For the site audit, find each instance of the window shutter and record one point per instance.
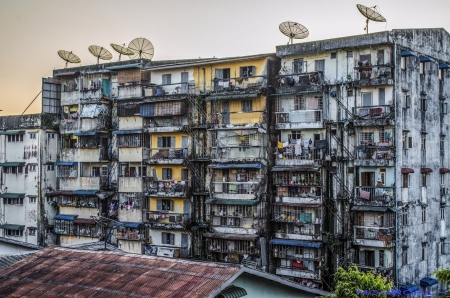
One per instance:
(172, 239)
(362, 260)
(409, 142)
(171, 205)
(425, 104)
(169, 173)
(381, 96)
(252, 71)
(184, 174)
(219, 74)
(158, 204)
(159, 141)
(164, 174)
(172, 142)
(163, 238)
(154, 173)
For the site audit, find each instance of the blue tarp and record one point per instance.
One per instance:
(126, 132)
(66, 163)
(128, 224)
(147, 110)
(426, 59)
(428, 282)
(68, 217)
(444, 65)
(86, 133)
(238, 166)
(408, 53)
(410, 287)
(85, 192)
(296, 243)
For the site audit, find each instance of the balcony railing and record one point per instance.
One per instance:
(234, 187)
(299, 267)
(168, 188)
(167, 154)
(280, 253)
(299, 116)
(374, 194)
(374, 233)
(289, 153)
(374, 153)
(130, 236)
(373, 112)
(311, 82)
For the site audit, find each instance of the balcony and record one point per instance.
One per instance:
(131, 184)
(300, 119)
(167, 221)
(300, 272)
(300, 83)
(373, 75)
(165, 124)
(373, 236)
(67, 126)
(305, 157)
(134, 236)
(168, 188)
(167, 156)
(235, 190)
(375, 196)
(374, 115)
(374, 156)
(83, 154)
(286, 197)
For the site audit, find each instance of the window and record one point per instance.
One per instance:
(407, 103)
(13, 201)
(381, 96)
(424, 214)
(247, 106)
(442, 213)
(166, 79)
(184, 174)
(405, 180)
(349, 54)
(423, 104)
(167, 142)
(50, 167)
(403, 62)
(14, 233)
(366, 99)
(19, 170)
(333, 55)
(319, 65)
(295, 135)
(31, 232)
(441, 74)
(298, 65)
(244, 140)
(407, 141)
(380, 57)
(441, 144)
(422, 68)
(383, 176)
(15, 138)
(168, 238)
(50, 136)
(423, 179)
(442, 179)
(423, 141)
(166, 174)
(424, 251)
(32, 136)
(247, 71)
(405, 256)
(166, 205)
(443, 107)
(32, 200)
(444, 248)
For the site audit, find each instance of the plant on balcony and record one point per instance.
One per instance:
(443, 275)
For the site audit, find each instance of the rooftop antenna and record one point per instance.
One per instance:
(68, 57)
(122, 50)
(142, 48)
(100, 53)
(293, 30)
(371, 14)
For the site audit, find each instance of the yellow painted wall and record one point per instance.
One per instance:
(176, 171)
(178, 205)
(73, 108)
(259, 64)
(178, 138)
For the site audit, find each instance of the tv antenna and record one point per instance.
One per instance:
(100, 53)
(293, 30)
(122, 50)
(370, 13)
(142, 48)
(68, 57)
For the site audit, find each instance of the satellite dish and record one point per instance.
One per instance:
(142, 48)
(371, 14)
(100, 53)
(68, 57)
(122, 50)
(293, 30)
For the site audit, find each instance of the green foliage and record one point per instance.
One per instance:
(349, 281)
(443, 275)
(48, 121)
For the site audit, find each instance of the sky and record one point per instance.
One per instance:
(32, 31)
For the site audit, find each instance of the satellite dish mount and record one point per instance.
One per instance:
(68, 57)
(122, 50)
(371, 13)
(142, 48)
(100, 53)
(293, 30)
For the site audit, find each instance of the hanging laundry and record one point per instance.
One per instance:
(285, 144)
(297, 148)
(280, 145)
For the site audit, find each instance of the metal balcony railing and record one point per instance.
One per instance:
(379, 194)
(299, 116)
(374, 233)
(373, 112)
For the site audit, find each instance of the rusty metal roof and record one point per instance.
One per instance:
(57, 271)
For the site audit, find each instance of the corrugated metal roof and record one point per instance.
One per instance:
(296, 243)
(232, 202)
(12, 132)
(12, 164)
(134, 65)
(68, 217)
(12, 227)
(19, 243)
(57, 271)
(10, 195)
(84, 192)
(8, 260)
(66, 163)
(246, 237)
(84, 221)
(232, 96)
(374, 208)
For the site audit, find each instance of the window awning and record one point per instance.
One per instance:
(232, 292)
(236, 166)
(410, 287)
(444, 66)
(426, 59)
(374, 208)
(85, 192)
(68, 74)
(12, 227)
(294, 169)
(251, 237)
(232, 202)
(408, 53)
(297, 204)
(117, 67)
(232, 96)
(428, 282)
(126, 132)
(84, 221)
(425, 170)
(132, 225)
(68, 217)
(13, 132)
(407, 171)
(84, 133)
(444, 170)
(66, 163)
(12, 164)
(59, 193)
(296, 243)
(10, 195)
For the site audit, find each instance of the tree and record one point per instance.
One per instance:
(349, 281)
(443, 275)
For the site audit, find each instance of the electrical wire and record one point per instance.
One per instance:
(31, 102)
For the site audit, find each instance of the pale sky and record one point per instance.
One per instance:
(32, 31)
